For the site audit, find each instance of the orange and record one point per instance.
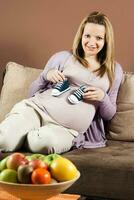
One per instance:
(41, 176)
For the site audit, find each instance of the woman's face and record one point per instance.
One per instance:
(93, 39)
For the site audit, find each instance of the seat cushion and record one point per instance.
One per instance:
(105, 172)
(16, 83)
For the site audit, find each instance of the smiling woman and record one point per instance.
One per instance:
(68, 102)
(93, 39)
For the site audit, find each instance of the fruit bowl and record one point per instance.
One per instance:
(36, 191)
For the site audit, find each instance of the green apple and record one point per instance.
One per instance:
(8, 175)
(35, 156)
(50, 158)
(3, 163)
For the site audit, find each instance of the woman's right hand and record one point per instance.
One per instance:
(55, 76)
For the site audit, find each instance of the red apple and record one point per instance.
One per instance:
(36, 163)
(16, 159)
(24, 173)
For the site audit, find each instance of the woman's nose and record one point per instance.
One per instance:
(92, 41)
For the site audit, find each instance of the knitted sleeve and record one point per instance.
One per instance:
(55, 62)
(107, 107)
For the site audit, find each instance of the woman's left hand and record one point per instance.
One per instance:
(92, 93)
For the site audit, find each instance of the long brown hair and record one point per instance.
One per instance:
(106, 55)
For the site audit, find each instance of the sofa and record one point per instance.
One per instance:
(106, 172)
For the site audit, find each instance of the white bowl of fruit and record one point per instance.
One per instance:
(36, 176)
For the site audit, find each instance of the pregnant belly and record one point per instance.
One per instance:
(77, 117)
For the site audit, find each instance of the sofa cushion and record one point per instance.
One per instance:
(121, 127)
(105, 172)
(15, 87)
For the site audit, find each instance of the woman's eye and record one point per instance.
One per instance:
(87, 35)
(99, 38)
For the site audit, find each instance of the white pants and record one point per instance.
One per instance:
(42, 134)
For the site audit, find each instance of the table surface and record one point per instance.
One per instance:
(6, 196)
(94, 198)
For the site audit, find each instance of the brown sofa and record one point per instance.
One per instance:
(106, 172)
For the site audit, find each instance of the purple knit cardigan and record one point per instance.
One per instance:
(95, 135)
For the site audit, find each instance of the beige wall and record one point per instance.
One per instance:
(32, 30)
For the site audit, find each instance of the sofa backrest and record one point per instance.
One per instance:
(121, 127)
(18, 79)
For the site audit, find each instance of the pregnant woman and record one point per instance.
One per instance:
(72, 97)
